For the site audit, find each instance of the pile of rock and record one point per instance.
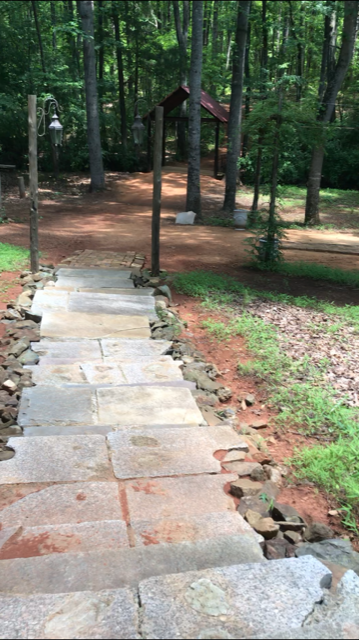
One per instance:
(22, 328)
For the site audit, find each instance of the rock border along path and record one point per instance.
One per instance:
(114, 488)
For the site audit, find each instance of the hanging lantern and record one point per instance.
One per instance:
(56, 129)
(138, 130)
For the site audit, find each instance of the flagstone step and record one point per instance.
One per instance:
(233, 601)
(98, 351)
(103, 615)
(260, 600)
(73, 430)
(60, 504)
(51, 459)
(98, 281)
(165, 369)
(121, 406)
(114, 569)
(29, 542)
(112, 274)
(94, 303)
(65, 324)
(148, 452)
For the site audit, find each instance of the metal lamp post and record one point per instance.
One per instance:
(55, 130)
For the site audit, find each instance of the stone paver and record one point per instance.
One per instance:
(191, 528)
(102, 303)
(64, 504)
(151, 452)
(119, 348)
(104, 274)
(94, 282)
(147, 406)
(51, 459)
(57, 375)
(104, 614)
(49, 299)
(63, 324)
(114, 569)
(162, 498)
(45, 405)
(69, 430)
(62, 538)
(71, 351)
(139, 293)
(163, 370)
(232, 602)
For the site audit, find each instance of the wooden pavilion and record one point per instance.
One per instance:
(218, 114)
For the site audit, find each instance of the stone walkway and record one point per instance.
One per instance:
(115, 519)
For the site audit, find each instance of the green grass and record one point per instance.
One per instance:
(220, 290)
(296, 388)
(12, 257)
(319, 272)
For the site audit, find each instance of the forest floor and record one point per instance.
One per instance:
(119, 219)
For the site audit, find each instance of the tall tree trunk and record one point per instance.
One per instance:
(263, 77)
(328, 105)
(38, 31)
(194, 118)
(121, 83)
(93, 125)
(247, 76)
(182, 36)
(214, 43)
(229, 48)
(72, 42)
(235, 113)
(53, 23)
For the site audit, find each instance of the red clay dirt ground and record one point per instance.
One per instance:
(119, 219)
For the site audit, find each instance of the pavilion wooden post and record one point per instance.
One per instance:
(157, 185)
(216, 150)
(33, 179)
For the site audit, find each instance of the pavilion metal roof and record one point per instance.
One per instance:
(181, 94)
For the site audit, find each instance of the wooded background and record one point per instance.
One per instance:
(143, 51)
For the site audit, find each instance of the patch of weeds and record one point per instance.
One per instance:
(12, 257)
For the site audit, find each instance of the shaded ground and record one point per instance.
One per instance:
(119, 219)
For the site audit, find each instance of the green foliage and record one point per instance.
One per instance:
(12, 257)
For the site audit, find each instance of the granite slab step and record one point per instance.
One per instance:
(30, 542)
(94, 303)
(233, 601)
(104, 614)
(148, 452)
(112, 274)
(73, 430)
(120, 406)
(93, 282)
(99, 351)
(65, 324)
(146, 405)
(61, 573)
(142, 292)
(60, 504)
(102, 303)
(52, 459)
(164, 369)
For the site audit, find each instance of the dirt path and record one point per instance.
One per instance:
(120, 219)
